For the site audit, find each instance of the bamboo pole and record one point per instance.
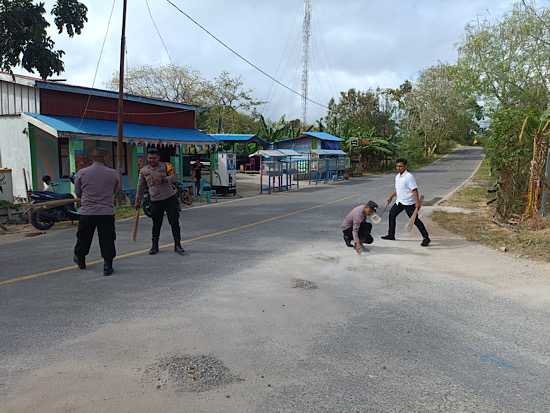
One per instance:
(51, 204)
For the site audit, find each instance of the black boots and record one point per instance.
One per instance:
(80, 261)
(155, 248)
(348, 241)
(177, 246)
(108, 267)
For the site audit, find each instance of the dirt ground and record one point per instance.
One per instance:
(467, 214)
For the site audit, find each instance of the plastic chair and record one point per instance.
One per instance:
(251, 165)
(207, 190)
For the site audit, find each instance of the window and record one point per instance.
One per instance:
(63, 156)
(114, 152)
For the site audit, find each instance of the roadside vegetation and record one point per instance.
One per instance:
(524, 239)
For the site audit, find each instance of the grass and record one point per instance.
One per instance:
(122, 212)
(480, 228)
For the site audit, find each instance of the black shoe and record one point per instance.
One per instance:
(80, 261)
(107, 269)
(348, 242)
(177, 245)
(368, 240)
(155, 248)
(388, 238)
(425, 242)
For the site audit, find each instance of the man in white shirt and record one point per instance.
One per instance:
(406, 191)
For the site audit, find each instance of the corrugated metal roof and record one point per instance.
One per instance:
(289, 152)
(328, 152)
(111, 94)
(268, 153)
(323, 135)
(64, 126)
(230, 137)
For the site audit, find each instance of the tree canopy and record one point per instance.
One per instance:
(359, 112)
(231, 106)
(436, 110)
(506, 62)
(24, 40)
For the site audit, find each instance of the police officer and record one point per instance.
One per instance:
(356, 228)
(96, 186)
(159, 176)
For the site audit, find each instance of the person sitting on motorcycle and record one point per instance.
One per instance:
(158, 177)
(48, 184)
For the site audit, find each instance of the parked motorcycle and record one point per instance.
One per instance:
(182, 194)
(44, 219)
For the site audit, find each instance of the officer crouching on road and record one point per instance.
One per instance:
(159, 176)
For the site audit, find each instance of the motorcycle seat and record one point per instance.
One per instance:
(52, 195)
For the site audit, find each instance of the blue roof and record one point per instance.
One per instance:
(323, 135)
(231, 137)
(63, 125)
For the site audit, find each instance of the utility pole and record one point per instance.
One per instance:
(120, 121)
(305, 59)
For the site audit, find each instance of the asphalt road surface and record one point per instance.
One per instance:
(269, 311)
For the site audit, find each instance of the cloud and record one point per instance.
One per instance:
(354, 43)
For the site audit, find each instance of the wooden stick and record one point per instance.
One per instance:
(26, 185)
(384, 209)
(134, 230)
(52, 204)
(413, 216)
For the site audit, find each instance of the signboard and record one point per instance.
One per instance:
(353, 142)
(6, 189)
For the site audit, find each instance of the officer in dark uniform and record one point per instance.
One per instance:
(159, 176)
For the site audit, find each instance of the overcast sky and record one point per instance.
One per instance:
(354, 43)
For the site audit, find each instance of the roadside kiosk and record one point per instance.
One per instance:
(274, 164)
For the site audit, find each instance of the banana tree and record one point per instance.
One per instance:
(536, 130)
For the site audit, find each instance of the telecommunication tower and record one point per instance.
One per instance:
(305, 59)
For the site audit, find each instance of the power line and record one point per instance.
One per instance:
(241, 57)
(158, 32)
(98, 61)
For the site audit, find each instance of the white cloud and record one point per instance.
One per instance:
(355, 43)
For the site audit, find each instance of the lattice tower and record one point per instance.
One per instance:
(305, 59)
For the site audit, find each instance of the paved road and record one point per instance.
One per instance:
(399, 329)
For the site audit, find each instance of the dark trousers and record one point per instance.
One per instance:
(171, 206)
(105, 225)
(396, 209)
(364, 233)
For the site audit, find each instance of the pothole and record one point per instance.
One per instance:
(189, 373)
(303, 284)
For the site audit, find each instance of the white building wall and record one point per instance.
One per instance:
(15, 97)
(15, 152)
(19, 96)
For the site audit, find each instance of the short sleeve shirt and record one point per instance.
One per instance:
(404, 185)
